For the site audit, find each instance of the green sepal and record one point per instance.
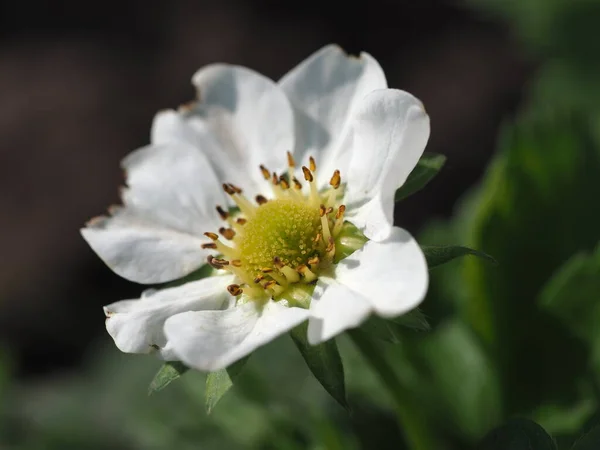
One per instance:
(427, 168)
(324, 362)
(518, 434)
(437, 255)
(170, 371)
(391, 330)
(219, 382)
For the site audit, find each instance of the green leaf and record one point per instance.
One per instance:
(428, 167)
(589, 441)
(390, 330)
(170, 371)
(219, 382)
(458, 379)
(573, 295)
(437, 255)
(324, 362)
(534, 213)
(518, 434)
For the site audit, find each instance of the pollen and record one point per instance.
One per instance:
(284, 230)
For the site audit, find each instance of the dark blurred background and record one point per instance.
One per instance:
(81, 82)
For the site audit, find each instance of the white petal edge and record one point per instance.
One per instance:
(241, 120)
(324, 89)
(335, 308)
(141, 251)
(157, 236)
(136, 326)
(391, 129)
(213, 340)
(388, 278)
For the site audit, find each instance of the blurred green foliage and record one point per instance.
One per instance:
(516, 339)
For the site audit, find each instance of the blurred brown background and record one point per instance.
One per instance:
(81, 82)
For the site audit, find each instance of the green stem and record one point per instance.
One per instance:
(417, 436)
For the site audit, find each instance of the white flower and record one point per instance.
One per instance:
(352, 142)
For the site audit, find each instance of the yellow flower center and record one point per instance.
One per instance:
(283, 228)
(278, 248)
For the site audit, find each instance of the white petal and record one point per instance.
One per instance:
(391, 274)
(391, 129)
(324, 90)
(137, 325)
(335, 308)
(169, 203)
(242, 119)
(212, 340)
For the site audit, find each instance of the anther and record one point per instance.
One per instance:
(213, 236)
(228, 188)
(340, 212)
(330, 249)
(306, 273)
(241, 221)
(261, 199)
(308, 176)
(297, 184)
(224, 214)
(265, 172)
(274, 179)
(227, 233)
(210, 245)
(314, 261)
(291, 162)
(217, 263)
(328, 211)
(336, 179)
(317, 238)
(283, 183)
(277, 262)
(270, 284)
(322, 210)
(266, 270)
(312, 164)
(234, 289)
(236, 263)
(259, 278)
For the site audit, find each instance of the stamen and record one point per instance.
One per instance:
(274, 179)
(210, 245)
(306, 273)
(297, 184)
(291, 275)
(261, 199)
(283, 183)
(213, 236)
(336, 179)
(224, 214)
(241, 221)
(216, 263)
(291, 162)
(308, 176)
(330, 249)
(259, 278)
(265, 172)
(227, 233)
(325, 222)
(339, 220)
(312, 164)
(236, 263)
(277, 262)
(235, 289)
(245, 206)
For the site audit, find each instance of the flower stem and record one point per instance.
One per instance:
(417, 436)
